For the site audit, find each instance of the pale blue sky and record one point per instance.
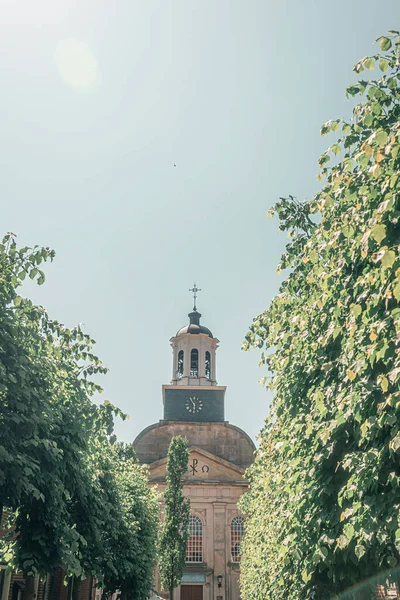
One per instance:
(232, 91)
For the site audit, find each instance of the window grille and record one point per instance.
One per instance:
(180, 364)
(194, 363)
(208, 365)
(237, 533)
(194, 550)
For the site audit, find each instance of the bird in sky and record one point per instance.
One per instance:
(174, 164)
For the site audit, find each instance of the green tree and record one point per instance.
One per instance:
(174, 532)
(131, 537)
(24, 398)
(47, 422)
(76, 499)
(323, 508)
(91, 505)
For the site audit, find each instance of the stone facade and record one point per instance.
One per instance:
(219, 455)
(223, 440)
(214, 485)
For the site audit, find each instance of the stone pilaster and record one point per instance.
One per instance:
(219, 548)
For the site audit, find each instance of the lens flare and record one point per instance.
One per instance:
(76, 64)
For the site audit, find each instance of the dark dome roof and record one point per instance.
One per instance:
(194, 326)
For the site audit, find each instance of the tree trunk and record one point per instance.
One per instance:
(29, 592)
(91, 589)
(124, 594)
(76, 588)
(171, 593)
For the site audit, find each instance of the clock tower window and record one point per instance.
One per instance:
(180, 364)
(194, 363)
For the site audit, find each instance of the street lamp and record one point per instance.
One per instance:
(219, 579)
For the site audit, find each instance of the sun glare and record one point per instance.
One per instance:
(76, 64)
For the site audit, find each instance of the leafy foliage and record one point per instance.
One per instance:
(132, 537)
(69, 490)
(323, 508)
(174, 532)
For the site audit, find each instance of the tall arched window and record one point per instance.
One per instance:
(194, 549)
(194, 363)
(237, 532)
(180, 364)
(208, 365)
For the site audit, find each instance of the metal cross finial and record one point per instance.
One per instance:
(194, 289)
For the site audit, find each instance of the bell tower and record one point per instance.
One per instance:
(194, 349)
(193, 394)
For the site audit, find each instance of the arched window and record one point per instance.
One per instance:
(237, 532)
(180, 364)
(194, 549)
(194, 363)
(208, 365)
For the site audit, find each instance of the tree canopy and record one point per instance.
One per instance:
(323, 508)
(68, 488)
(131, 538)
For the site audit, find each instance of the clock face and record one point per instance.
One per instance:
(193, 404)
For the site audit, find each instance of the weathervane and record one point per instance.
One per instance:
(194, 289)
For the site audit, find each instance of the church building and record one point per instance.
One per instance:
(194, 407)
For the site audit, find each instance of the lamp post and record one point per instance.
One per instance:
(219, 579)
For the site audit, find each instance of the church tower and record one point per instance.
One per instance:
(194, 394)
(219, 453)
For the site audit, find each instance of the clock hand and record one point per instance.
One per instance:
(193, 402)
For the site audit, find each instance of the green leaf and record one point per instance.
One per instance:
(306, 576)
(388, 259)
(381, 137)
(378, 232)
(348, 531)
(356, 310)
(368, 120)
(376, 108)
(359, 551)
(369, 63)
(33, 273)
(336, 149)
(17, 300)
(385, 43)
(396, 291)
(384, 383)
(383, 65)
(376, 170)
(395, 444)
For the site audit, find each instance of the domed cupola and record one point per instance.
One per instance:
(194, 348)
(194, 326)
